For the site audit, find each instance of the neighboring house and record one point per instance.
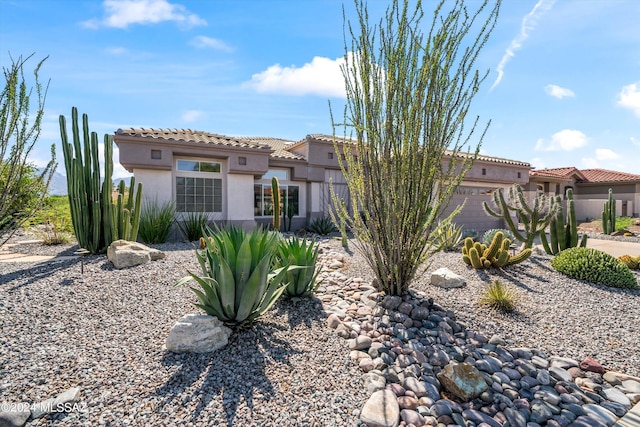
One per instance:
(590, 189)
(230, 177)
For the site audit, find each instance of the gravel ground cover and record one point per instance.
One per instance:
(103, 332)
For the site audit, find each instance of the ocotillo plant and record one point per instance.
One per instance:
(609, 215)
(96, 221)
(535, 218)
(563, 235)
(275, 196)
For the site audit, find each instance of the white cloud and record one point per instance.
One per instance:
(122, 13)
(565, 140)
(590, 163)
(538, 163)
(203, 42)
(635, 141)
(606, 154)
(116, 50)
(630, 97)
(192, 115)
(558, 92)
(528, 23)
(322, 76)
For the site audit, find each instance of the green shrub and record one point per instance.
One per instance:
(594, 266)
(500, 297)
(238, 284)
(192, 225)
(54, 210)
(322, 226)
(300, 282)
(487, 237)
(156, 221)
(447, 236)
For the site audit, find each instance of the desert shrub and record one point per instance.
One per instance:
(238, 283)
(192, 225)
(156, 221)
(487, 237)
(447, 235)
(322, 226)
(300, 282)
(54, 210)
(594, 266)
(499, 296)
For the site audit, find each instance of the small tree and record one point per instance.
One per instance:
(22, 188)
(408, 94)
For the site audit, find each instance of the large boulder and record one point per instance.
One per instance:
(123, 254)
(445, 278)
(462, 380)
(197, 333)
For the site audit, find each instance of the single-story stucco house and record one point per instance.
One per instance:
(230, 177)
(590, 188)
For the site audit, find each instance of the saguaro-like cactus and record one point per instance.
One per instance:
(96, 221)
(275, 195)
(609, 215)
(535, 218)
(563, 235)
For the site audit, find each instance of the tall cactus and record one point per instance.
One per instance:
(563, 235)
(275, 195)
(609, 215)
(93, 214)
(535, 218)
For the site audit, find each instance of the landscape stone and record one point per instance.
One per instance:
(602, 414)
(412, 417)
(462, 380)
(591, 365)
(197, 333)
(445, 278)
(361, 342)
(611, 378)
(16, 417)
(124, 254)
(381, 410)
(615, 395)
(560, 374)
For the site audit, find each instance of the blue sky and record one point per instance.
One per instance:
(563, 90)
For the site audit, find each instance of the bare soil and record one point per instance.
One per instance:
(596, 227)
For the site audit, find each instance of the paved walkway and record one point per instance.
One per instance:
(615, 248)
(7, 255)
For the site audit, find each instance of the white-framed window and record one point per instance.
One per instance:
(198, 186)
(263, 194)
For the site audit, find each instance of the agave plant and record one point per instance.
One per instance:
(447, 236)
(237, 284)
(300, 282)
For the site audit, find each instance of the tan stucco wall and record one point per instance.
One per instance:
(157, 185)
(239, 197)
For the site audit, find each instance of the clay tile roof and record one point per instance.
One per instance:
(188, 135)
(604, 175)
(491, 159)
(330, 138)
(557, 173)
(279, 146)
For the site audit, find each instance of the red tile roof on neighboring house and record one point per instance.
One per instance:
(604, 175)
(586, 175)
(564, 173)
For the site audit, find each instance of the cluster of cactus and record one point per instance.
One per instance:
(535, 218)
(630, 261)
(275, 196)
(97, 221)
(563, 234)
(479, 255)
(594, 266)
(609, 215)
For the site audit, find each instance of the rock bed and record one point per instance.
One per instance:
(103, 333)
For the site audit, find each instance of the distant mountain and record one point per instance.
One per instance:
(58, 184)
